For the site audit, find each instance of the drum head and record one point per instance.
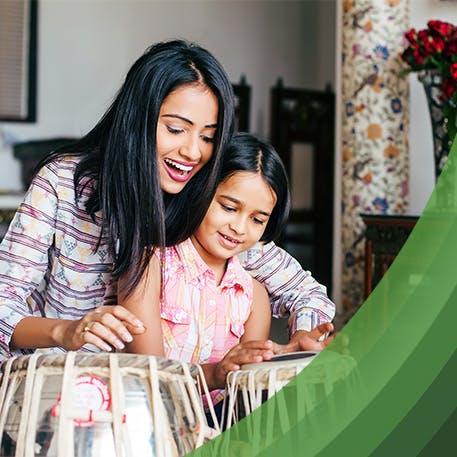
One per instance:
(291, 358)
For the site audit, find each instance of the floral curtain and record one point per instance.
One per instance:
(374, 128)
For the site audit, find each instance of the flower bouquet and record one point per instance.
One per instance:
(435, 48)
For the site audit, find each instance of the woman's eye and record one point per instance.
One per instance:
(207, 139)
(258, 221)
(227, 208)
(173, 130)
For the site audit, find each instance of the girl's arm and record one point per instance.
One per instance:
(254, 346)
(257, 327)
(144, 303)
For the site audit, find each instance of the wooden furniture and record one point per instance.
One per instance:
(302, 131)
(29, 153)
(9, 202)
(385, 236)
(242, 104)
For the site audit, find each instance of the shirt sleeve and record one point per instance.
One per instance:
(293, 292)
(24, 253)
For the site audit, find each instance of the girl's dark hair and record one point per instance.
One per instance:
(246, 152)
(119, 158)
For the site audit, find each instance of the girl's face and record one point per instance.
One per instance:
(185, 134)
(236, 218)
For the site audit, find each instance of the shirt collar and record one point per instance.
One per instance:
(235, 276)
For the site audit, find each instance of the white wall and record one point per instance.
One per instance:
(86, 46)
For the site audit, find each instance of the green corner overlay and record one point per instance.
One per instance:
(386, 386)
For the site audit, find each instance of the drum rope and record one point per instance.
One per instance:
(217, 428)
(28, 397)
(158, 412)
(118, 408)
(32, 418)
(66, 426)
(4, 404)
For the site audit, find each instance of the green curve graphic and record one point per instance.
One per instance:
(386, 385)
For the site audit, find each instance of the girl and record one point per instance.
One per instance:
(96, 209)
(196, 299)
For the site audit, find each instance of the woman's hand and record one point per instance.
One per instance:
(314, 340)
(106, 327)
(248, 352)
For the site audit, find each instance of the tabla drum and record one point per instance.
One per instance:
(96, 405)
(253, 384)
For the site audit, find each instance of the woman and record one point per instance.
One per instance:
(95, 209)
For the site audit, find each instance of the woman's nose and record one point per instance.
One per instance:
(190, 150)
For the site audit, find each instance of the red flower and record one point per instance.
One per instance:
(418, 57)
(453, 70)
(449, 87)
(451, 48)
(411, 36)
(434, 44)
(444, 29)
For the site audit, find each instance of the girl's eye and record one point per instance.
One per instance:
(173, 130)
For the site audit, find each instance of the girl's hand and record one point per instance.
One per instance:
(106, 327)
(248, 352)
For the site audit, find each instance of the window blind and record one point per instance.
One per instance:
(14, 59)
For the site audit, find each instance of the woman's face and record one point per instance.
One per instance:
(185, 134)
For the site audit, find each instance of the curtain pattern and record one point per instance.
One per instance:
(375, 127)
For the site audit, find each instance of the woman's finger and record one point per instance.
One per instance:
(126, 316)
(92, 338)
(116, 326)
(106, 334)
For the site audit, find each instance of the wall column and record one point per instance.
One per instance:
(375, 128)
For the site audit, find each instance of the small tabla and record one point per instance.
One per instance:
(255, 383)
(88, 405)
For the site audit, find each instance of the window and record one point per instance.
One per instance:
(18, 46)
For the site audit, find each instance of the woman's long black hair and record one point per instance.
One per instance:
(119, 157)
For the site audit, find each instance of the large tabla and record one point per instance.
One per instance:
(96, 405)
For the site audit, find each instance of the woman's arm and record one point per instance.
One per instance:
(293, 292)
(144, 303)
(27, 251)
(24, 255)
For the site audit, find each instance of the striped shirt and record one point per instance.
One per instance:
(49, 266)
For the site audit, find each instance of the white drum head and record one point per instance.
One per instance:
(301, 358)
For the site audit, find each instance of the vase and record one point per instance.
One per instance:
(432, 83)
